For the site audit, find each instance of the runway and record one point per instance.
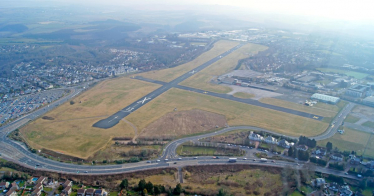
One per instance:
(115, 118)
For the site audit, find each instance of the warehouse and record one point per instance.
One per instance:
(325, 98)
(369, 101)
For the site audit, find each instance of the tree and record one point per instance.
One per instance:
(124, 184)
(222, 192)
(149, 187)
(290, 152)
(145, 192)
(156, 190)
(141, 184)
(178, 189)
(329, 146)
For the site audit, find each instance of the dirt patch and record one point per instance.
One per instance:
(180, 123)
(47, 118)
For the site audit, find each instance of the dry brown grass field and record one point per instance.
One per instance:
(71, 131)
(168, 75)
(299, 107)
(352, 140)
(202, 79)
(175, 123)
(208, 180)
(236, 113)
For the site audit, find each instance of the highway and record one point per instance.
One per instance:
(18, 153)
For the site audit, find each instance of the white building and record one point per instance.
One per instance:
(255, 136)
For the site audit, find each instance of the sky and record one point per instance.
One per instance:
(350, 10)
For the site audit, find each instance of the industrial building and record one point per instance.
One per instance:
(325, 98)
(369, 101)
(357, 90)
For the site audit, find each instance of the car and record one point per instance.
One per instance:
(166, 159)
(254, 159)
(175, 162)
(179, 158)
(297, 164)
(296, 159)
(85, 171)
(273, 161)
(195, 158)
(37, 164)
(346, 173)
(158, 160)
(148, 161)
(244, 158)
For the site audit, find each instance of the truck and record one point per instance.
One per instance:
(232, 160)
(263, 160)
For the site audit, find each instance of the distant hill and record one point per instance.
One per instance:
(14, 28)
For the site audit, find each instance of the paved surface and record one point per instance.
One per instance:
(336, 123)
(115, 118)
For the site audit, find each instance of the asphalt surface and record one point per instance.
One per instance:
(336, 123)
(115, 118)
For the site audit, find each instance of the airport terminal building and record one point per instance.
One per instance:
(325, 98)
(369, 101)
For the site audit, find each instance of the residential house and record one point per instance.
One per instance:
(271, 140)
(36, 192)
(67, 183)
(4, 185)
(41, 180)
(11, 192)
(255, 136)
(354, 160)
(81, 192)
(345, 191)
(284, 143)
(67, 190)
(370, 165)
(14, 185)
(320, 152)
(319, 182)
(302, 147)
(337, 157)
(90, 192)
(99, 192)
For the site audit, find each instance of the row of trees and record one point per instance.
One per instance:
(146, 188)
(300, 154)
(311, 143)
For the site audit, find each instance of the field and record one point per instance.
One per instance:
(71, 131)
(186, 150)
(243, 95)
(202, 79)
(369, 124)
(252, 181)
(236, 113)
(300, 107)
(178, 123)
(354, 74)
(352, 140)
(351, 119)
(168, 75)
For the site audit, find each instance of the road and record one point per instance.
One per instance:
(336, 122)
